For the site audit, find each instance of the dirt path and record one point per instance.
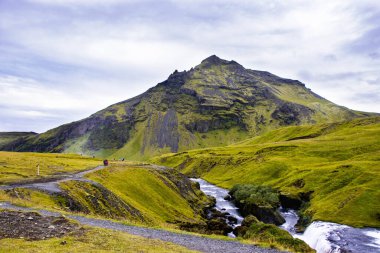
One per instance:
(193, 242)
(52, 186)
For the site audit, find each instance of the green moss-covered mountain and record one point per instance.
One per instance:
(216, 103)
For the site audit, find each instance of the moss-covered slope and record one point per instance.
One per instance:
(9, 137)
(336, 165)
(161, 195)
(216, 103)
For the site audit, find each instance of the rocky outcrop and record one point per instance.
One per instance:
(215, 223)
(259, 201)
(263, 213)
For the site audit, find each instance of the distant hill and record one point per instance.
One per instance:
(216, 103)
(9, 137)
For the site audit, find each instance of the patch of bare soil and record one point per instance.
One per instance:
(33, 226)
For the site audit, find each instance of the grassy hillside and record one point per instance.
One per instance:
(16, 167)
(8, 137)
(337, 164)
(160, 195)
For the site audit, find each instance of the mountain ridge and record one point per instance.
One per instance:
(216, 103)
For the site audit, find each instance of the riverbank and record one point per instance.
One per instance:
(324, 237)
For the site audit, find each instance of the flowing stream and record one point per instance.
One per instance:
(221, 205)
(324, 237)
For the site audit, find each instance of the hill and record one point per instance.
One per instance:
(9, 137)
(333, 167)
(217, 103)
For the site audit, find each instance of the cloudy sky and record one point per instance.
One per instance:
(62, 60)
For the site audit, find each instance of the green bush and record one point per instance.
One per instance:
(248, 194)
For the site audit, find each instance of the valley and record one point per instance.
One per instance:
(215, 158)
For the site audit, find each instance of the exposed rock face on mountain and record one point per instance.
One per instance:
(216, 103)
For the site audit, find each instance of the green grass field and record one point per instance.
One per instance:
(338, 163)
(17, 167)
(93, 240)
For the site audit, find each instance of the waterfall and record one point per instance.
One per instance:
(328, 237)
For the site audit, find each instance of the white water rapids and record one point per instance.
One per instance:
(221, 204)
(324, 237)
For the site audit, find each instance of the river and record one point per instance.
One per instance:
(324, 237)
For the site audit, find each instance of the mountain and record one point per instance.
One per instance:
(216, 103)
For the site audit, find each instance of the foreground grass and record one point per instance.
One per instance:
(338, 164)
(93, 240)
(17, 167)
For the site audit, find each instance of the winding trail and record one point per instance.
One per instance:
(189, 241)
(52, 185)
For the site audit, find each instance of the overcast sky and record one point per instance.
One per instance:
(61, 61)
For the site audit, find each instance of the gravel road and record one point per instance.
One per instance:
(52, 185)
(193, 242)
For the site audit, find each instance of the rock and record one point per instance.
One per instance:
(240, 231)
(232, 219)
(218, 226)
(264, 214)
(290, 201)
(215, 213)
(30, 218)
(51, 227)
(228, 197)
(63, 243)
(249, 220)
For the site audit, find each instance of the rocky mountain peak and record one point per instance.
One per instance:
(215, 60)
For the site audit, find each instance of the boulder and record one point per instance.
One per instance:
(290, 201)
(218, 226)
(249, 220)
(228, 197)
(264, 214)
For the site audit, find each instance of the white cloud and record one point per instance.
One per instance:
(80, 2)
(95, 53)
